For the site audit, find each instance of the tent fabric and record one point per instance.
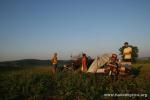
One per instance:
(99, 62)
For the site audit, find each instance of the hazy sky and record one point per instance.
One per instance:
(38, 28)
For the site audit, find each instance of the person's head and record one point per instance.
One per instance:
(114, 58)
(55, 54)
(126, 44)
(83, 55)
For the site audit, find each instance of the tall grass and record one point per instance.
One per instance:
(39, 84)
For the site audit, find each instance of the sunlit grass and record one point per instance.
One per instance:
(38, 83)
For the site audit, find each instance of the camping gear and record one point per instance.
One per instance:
(122, 69)
(108, 64)
(99, 62)
(102, 70)
(67, 68)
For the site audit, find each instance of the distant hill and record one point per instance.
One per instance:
(30, 62)
(144, 58)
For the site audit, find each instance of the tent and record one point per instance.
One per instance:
(99, 62)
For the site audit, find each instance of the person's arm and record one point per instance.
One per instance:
(111, 65)
(124, 51)
(129, 51)
(52, 60)
(55, 60)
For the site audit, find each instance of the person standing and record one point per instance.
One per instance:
(127, 52)
(84, 63)
(54, 62)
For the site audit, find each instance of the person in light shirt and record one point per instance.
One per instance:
(54, 62)
(127, 52)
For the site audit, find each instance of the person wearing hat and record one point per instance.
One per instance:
(127, 52)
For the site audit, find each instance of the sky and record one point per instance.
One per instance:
(35, 29)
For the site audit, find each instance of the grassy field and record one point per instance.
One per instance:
(145, 68)
(38, 83)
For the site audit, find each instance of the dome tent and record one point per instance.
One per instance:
(99, 62)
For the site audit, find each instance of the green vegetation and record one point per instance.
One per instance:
(146, 61)
(38, 83)
(30, 62)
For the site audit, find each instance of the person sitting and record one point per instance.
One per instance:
(113, 64)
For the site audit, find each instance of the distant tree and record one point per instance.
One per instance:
(134, 54)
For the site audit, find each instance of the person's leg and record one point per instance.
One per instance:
(53, 69)
(117, 72)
